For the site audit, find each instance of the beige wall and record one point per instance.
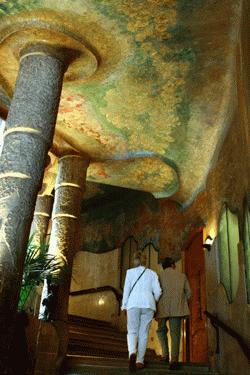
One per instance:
(91, 271)
(236, 315)
(229, 182)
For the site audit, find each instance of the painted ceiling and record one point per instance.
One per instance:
(150, 97)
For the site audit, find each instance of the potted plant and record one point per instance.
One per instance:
(39, 265)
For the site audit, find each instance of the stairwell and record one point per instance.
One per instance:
(97, 348)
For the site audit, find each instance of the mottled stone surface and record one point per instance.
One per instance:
(164, 87)
(36, 97)
(34, 106)
(150, 174)
(111, 218)
(69, 190)
(41, 218)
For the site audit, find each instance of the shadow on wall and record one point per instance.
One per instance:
(107, 216)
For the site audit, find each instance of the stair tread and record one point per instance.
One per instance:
(85, 338)
(84, 320)
(96, 336)
(92, 351)
(88, 344)
(101, 365)
(97, 348)
(89, 330)
(92, 323)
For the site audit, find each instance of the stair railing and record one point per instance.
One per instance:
(105, 288)
(217, 323)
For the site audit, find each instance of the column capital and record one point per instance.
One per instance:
(65, 55)
(82, 157)
(72, 169)
(48, 41)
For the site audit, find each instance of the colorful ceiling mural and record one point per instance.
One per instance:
(150, 96)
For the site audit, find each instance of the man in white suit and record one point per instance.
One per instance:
(172, 306)
(141, 292)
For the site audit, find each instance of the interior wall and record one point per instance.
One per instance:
(229, 182)
(169, 224)
(92, 271)
(230, 359)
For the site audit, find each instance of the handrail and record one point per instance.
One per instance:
(105, 288)
(216, 322)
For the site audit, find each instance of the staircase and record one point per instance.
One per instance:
(95, 338)
(97, 348)
(108, 366)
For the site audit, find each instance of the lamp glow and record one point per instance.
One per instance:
(101, 301)
(208, 243)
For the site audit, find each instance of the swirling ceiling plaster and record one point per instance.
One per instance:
(160, 97)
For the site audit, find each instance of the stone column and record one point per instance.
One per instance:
(64, 242)
(69, 189)
(27, 138)
(41, 218)
(42, 214)
(39, 231)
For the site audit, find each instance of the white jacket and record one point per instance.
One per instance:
(146, 292)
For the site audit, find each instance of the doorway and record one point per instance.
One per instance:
(194, 260)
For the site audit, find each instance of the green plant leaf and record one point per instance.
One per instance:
(38, 265)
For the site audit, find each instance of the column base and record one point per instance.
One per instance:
(51, 347)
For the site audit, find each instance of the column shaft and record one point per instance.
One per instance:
(39, 231)
(42, 214)
(64, 241)
(27, 138)
(69, 190)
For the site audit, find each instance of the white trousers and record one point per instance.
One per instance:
(138, 324)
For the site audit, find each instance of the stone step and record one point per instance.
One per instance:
(84, 330)
(97, 338)
(89, 322)
(96, 353)
(79, 345)
(95, 349)
(77, 365)
(86, 336)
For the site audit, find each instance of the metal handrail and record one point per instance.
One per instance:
(230, 331)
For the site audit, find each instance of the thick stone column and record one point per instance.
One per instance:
(42, 214)
(69, 189)
(27, 138)
(64, 242)
(39, 231)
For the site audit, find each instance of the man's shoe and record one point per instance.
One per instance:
(132, 362)
(139, 365)
(174, 366)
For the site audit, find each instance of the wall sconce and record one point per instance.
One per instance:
(101, 301)
(208, 243)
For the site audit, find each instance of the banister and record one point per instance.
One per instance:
(216, 322)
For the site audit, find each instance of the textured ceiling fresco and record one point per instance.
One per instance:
(152, 94)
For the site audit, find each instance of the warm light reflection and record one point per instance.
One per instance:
(50, 174)
(101, 301)
(211, 229)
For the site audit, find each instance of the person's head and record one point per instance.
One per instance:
(168, 262)
(139, 259)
